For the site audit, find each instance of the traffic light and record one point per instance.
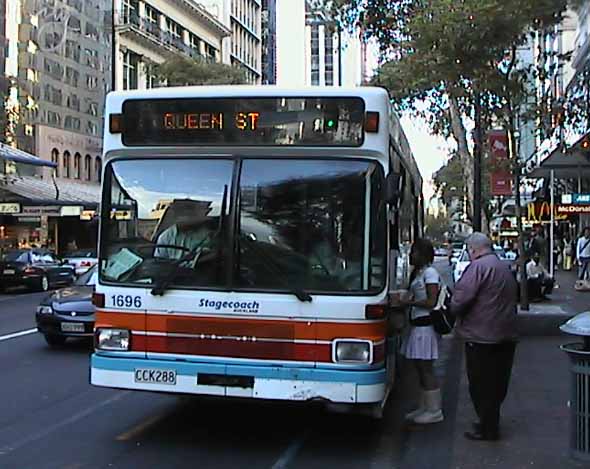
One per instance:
(330, 121)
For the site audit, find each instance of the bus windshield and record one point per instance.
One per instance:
(315, 225)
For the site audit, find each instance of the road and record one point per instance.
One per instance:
(50, 417)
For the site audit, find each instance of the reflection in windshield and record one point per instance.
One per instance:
(160, 212)
(307, 226)
(303, 225)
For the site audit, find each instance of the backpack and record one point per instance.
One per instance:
(441, 317)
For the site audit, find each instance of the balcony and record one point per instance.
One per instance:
(151, 34)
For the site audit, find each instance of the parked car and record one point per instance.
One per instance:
(463, 261)
(441, 252)
(82, 260)
(68, 312)
(37, 269)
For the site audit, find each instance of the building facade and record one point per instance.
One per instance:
(59, 53)
(150, 32)
(269, 42)
(245, 20)
(312, 50)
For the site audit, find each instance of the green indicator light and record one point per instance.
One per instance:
(330, 123)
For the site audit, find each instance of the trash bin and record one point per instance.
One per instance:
(579, 354)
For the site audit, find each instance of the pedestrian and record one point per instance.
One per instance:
(539, 282)
(539, 245)
(484, 302)
(568, 251)
(583, 254)
(420, 346)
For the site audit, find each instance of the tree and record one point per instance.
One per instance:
(437, 227)
(442, 59)
(180, 71)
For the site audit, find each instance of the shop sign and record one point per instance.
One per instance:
(38, 211)
(9, 208)
(68, 211)
(87, 215)
(539, 212)
(581, 199)
(573, 209)
(501, 182)
(29, 219)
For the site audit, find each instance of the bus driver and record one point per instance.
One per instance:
(187, 228)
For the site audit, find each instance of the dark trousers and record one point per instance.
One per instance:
(488, 370)
(540, 286)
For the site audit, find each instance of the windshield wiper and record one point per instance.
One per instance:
(299, 293)
(164, 282)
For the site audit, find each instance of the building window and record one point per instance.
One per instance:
(73, 102)
(53, 118)
(130, 11)
(72, 76)
(55, 159)
(88, 167)
(91, 32)
(72, 123)
(78, 166)
(130, 63)
(67, 164)
(91, 82)
(152, 15)
(91, 58)
(98, 168)
(92, 108)
(92, 128)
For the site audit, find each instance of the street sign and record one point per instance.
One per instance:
(9, 208)
(572, 209)
(581, 199)
(37, 211)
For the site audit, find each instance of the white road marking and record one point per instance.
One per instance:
(14, 335)
(50, 429)
(289, 454)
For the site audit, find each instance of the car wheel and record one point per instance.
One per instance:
(55, 340)
(44, 283)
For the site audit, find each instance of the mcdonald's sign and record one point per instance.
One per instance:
(539, 212)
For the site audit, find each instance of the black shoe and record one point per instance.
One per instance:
(479, 436)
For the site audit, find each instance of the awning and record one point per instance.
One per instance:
(43, 192)
(19, 156)
(572, 163)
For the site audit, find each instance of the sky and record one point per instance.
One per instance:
(430, 152)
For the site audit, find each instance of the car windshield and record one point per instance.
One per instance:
(88, 278)
(16, 256)
(314, 225)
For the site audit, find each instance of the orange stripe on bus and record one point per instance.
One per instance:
(243, 327)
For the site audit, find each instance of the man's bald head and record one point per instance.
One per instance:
(478, 244)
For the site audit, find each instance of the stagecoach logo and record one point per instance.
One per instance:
(234, 306)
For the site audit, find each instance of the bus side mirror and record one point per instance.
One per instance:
(393, 188)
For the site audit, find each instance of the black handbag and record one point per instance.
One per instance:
(441, 317)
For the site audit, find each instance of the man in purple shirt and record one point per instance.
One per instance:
(484, 302)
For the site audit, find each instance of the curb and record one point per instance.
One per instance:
(542, 322)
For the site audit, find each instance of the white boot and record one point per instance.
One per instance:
(433, 412)
(421, 407)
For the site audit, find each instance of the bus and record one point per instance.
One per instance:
(249, 237)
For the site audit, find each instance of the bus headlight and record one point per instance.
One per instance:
(352, 351)
(112, 339)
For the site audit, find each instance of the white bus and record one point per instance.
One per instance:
(249, 238)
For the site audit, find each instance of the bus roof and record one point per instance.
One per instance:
(229, 91)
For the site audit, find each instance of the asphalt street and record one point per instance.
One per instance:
(50, 417)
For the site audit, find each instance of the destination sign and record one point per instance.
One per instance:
(244, 121)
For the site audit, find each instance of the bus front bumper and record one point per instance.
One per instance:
(259, 382)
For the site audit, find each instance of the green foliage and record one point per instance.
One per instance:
(180, 71)
(449, 181)
(436, 228)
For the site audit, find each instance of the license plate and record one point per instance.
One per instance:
(72, 327)
(155, 376)
(9, 272)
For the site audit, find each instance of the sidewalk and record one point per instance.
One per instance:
(535, 422)
(544, 318)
